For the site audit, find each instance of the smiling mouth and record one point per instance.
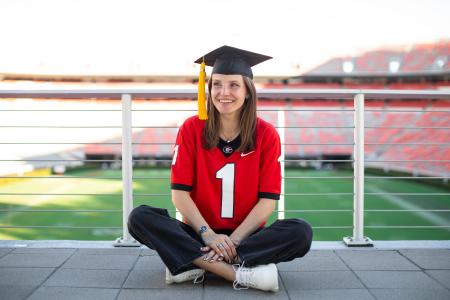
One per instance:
(226, 101)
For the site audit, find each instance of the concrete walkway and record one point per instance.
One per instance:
(70, 270)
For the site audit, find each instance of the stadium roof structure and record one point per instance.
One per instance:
(420, 60)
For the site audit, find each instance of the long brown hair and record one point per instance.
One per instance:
(247, 120)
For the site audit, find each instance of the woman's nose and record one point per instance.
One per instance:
(225, 90)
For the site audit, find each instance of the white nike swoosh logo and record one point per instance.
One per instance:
(245, 154)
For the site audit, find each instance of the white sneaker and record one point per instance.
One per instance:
(195, 275)
(263, 277)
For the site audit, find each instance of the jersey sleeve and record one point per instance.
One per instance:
(183, 167)
(270, 170)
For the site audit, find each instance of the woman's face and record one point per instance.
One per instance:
(228, 93)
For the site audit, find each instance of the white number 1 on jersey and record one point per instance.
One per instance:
(175, 155)
(226, 173)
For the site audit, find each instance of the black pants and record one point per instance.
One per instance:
(178, 244)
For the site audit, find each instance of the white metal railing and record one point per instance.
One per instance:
(358, 96)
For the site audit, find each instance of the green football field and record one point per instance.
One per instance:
(15, 209)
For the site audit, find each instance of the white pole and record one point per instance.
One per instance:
(127, 171)
(358, 187)
(281, 132)
(358, 238)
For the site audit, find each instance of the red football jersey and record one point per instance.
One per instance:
(225, 189)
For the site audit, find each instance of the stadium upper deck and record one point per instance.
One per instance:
(423, 66)
(422, 58)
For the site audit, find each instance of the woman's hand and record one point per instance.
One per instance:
(236, 241)
(219, 247)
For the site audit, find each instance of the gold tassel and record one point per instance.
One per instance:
(201, 100)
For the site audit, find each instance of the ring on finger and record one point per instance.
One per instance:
(219, 246)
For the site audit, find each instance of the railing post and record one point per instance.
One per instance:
(127, 173)
(358, 238)
(281, 132)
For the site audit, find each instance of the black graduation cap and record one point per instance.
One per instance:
(225, 60)
(229, 60)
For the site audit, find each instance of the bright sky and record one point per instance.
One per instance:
(145, 37)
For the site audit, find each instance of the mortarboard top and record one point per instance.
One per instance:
(229, 60)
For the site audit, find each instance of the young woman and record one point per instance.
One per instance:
(225, 181)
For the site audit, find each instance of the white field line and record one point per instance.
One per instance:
(429, 216)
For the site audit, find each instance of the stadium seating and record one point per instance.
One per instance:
(307, 127)
(324, 129)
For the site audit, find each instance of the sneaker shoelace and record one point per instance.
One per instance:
(199, 278)
(243, 276)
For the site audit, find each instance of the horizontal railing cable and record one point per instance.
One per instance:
(80, 160)
(69, 177)
(154, 143)
(117, 228)
(266, 110)
(408, 110)
(295, 210)
(61, 126)
(194, 110)
(69, 160)
(314, 210)
(73, 143)
(155, 194)
(318, 177)
(154, 127)
(366, 210)
(176, 127)
(407, 210)
(60, 110)
(60, 210)
(163, 110)
(409, 128)
(159, 160)
(62, 227)
(168, 160)
(318, 160)
(153, 177)
(409, 144)
(405, 177)
(405, 226)
(61, 194)
(162, 143)
(409, 160)
(167, 194)
(288, 211)
(332, 227)
(314, 227)
(316, 194)
(168, 177)
(409, 194)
